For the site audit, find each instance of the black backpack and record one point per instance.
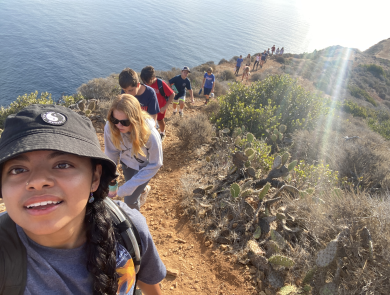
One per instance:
(13, 256)
(161, 88)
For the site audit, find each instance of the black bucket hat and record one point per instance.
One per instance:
(51, 127)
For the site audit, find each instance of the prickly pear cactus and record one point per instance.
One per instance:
(292, 165)
(264, 191)
(251, 172)
(366, 241)
(277, 237)
(235, 190)
(250, 137)
(257, 233)
(282, 128)
(327, 255)
(272, 247)
(255, 255)
(207, 188)
(226, 131)
(287, 290)
(88, 112)
(246, 193)
(232, 170)
(81, 106)
(92, 105)
(281, 260)
(274, 138)
(277, 162)
(275, 279)
(237, 141)
(329, 289)
(237, 131)
(249, 152)
(285, 158)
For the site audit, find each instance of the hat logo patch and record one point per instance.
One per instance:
(54, 118)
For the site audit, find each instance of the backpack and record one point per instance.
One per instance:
(161, 88)
(13, 256)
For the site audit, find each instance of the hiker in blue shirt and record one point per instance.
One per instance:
(179, 84)
(238, 65)
(208, 83)
(146, 96)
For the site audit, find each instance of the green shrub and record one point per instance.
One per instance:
(67, 100)
(280, 59)
(100, 88)
(381, 127)
(223, 61)
(22, 102)
(227, 75)
(375, 70)
(354, 109)
(263, 105)
(360, 93)
(315, 175)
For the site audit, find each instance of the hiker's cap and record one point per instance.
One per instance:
(186, 69)
(51, 127)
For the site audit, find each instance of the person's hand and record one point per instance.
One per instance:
(163, 109)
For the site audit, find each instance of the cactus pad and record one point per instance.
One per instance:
(277, 237)
(327, 255)
(272, 247)
(281, 260)
(282, 128)
(277, 162)
(207, 188)
(292, 165)
(232, 170)
(251, 172)
(235, 190)
(237, 141)
(257, 233)
(255, 254)
(249, 152)
(92, 105)
(250, 137)
(274, 137)
(246, 193)
(287, 290)
(275, 279)
(264, 191)
(81, 106)
(285, 157)
(88, 112)
(329, 289)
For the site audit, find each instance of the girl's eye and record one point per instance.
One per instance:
(63, 166)
(16, 171)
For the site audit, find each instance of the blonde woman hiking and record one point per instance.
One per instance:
(130, 136)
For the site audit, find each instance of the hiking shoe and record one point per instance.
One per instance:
(162, 136)
(174, 113)
(181, 114)
(144, 195)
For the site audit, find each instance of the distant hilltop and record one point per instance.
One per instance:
(381, 49)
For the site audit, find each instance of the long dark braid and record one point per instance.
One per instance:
(101, 240)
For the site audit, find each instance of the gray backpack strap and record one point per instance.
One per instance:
(129, 233)
(13, 259)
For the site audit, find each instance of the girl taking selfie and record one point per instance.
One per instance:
(58, 235)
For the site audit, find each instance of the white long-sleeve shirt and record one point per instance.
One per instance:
(147, 165)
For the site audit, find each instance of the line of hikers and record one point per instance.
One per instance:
(260, 59)
(61, 232)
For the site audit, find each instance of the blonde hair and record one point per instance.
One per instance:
(140, 130)
(210, 69)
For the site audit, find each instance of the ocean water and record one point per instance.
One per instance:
(56, 45)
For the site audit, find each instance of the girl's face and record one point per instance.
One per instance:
(46, 192)
(121, 116)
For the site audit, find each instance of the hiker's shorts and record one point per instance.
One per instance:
(206, 91)
(181, 98)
